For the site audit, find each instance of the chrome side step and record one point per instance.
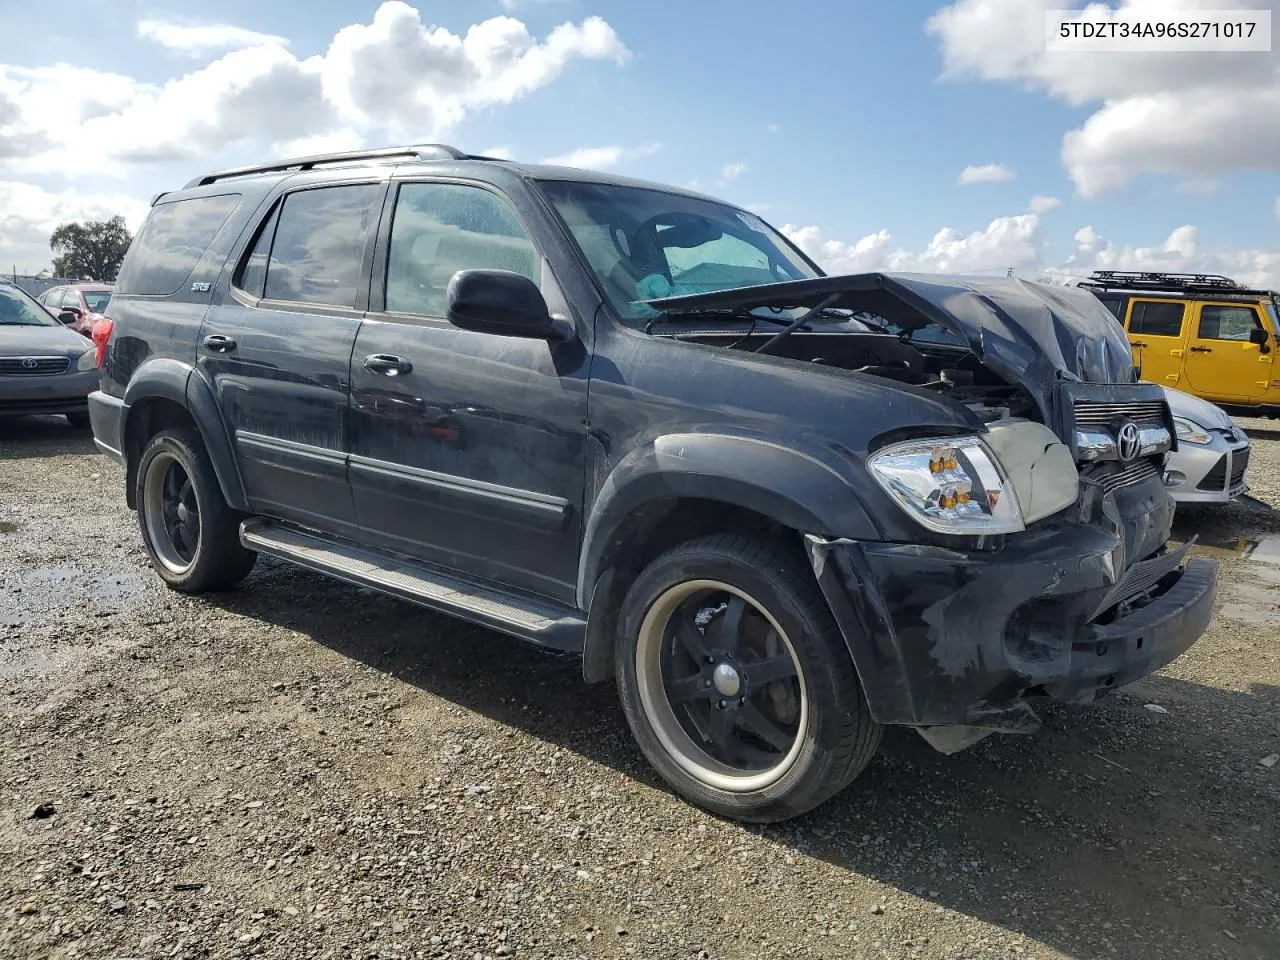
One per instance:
(530, 618)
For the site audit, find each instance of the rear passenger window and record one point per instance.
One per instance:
(252, 277)
(1116, 307)
(1157, 319)
(171, 242)
(319, 244)
(1227, 323)
(441, 228)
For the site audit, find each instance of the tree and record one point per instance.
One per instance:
(91, 250)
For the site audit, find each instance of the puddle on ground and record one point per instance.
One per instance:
(33, 595)
(1257, 603)
(7, 527)
(1260, 550)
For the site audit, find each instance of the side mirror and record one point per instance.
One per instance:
(499, 302)
(1259, 336)
(68, 317)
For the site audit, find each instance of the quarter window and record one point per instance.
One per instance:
(441, 228)
(1227, 323)
(252, 277)
(171, 243)
(1157, 319)
(319, 244)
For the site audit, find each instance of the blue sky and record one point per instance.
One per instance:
(846, 122)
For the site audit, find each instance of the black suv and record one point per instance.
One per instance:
(631, 422)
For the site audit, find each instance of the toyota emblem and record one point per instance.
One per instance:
(1128, 441)
(30, 362)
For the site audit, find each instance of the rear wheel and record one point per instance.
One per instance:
(737, 683)
(191, 533)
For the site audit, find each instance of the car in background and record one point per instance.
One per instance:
(45, 368)
(1212, 456)
(1203, 334)
(86, 302)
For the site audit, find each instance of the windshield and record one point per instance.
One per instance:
(97, 300)
(19, 310)
(643, 244)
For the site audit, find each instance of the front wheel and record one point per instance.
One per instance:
(189, 530)
(736, 682)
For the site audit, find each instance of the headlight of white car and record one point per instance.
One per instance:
(1191, 432)
(951, 485)
(88, 360)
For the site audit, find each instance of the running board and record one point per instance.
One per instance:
(531, 618)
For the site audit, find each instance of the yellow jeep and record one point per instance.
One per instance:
(1204, 334)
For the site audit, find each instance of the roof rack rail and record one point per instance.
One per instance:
(1169, 282)
(426, 151)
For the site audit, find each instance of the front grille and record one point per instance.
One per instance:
(1216, 478)
(32, 366)
(1110, 479)
(1099, 414)
(1239, 464)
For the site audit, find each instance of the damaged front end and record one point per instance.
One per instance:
(1071, 593)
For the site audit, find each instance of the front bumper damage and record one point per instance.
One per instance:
(959, 644)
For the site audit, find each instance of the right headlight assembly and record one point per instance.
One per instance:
(952, 485)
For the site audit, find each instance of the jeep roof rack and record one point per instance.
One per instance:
(426, 151)
(1167, 282)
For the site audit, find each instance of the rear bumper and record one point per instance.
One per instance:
(106, 415)
(953, 638)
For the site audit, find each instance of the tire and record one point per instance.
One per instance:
(176, 485)
(78, 421)
(698, 623)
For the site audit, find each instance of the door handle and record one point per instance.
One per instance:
(1201, 349)
(219, 344)
(1137, 343)
(387, 365)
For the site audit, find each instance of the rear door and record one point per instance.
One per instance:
(1157, 329)
(468, 447)
(1223, 364)
(277, 346)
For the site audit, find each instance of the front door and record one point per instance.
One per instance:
(277, 346)
(1223, 363)
(1156, 331)
(468, 448)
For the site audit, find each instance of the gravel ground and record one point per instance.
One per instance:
(305, 769)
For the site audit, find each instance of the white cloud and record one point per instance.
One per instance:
(1179, 253)
(392, 79)
(985, 173)
(1278, 208)
(195, 40)
(498, 153)
(602, 158)
(1157, 113)
(28, 214)
(1005, 242)
(732, 171)
(1042, 204)
(1018, 242)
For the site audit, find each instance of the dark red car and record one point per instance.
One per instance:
(87, 301)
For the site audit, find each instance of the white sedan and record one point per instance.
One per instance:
(1212, 454)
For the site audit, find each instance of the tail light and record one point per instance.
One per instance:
(101, 334)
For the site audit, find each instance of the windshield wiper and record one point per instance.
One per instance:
(692, 316)
(799, 322)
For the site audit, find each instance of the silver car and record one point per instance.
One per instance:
(45, 367)
(1212, 454)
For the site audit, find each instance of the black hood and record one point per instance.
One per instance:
(1031, 333)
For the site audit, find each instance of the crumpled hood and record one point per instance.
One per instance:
(28, 341)
(1031, 333)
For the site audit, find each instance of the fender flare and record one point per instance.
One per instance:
(787, 485)
(170, 379)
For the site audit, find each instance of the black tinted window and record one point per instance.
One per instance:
(319, 244)
(171, 242)
(441, 228)
(1157, 319)
(252, 277)
(1115, 306)
(1227, 323)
